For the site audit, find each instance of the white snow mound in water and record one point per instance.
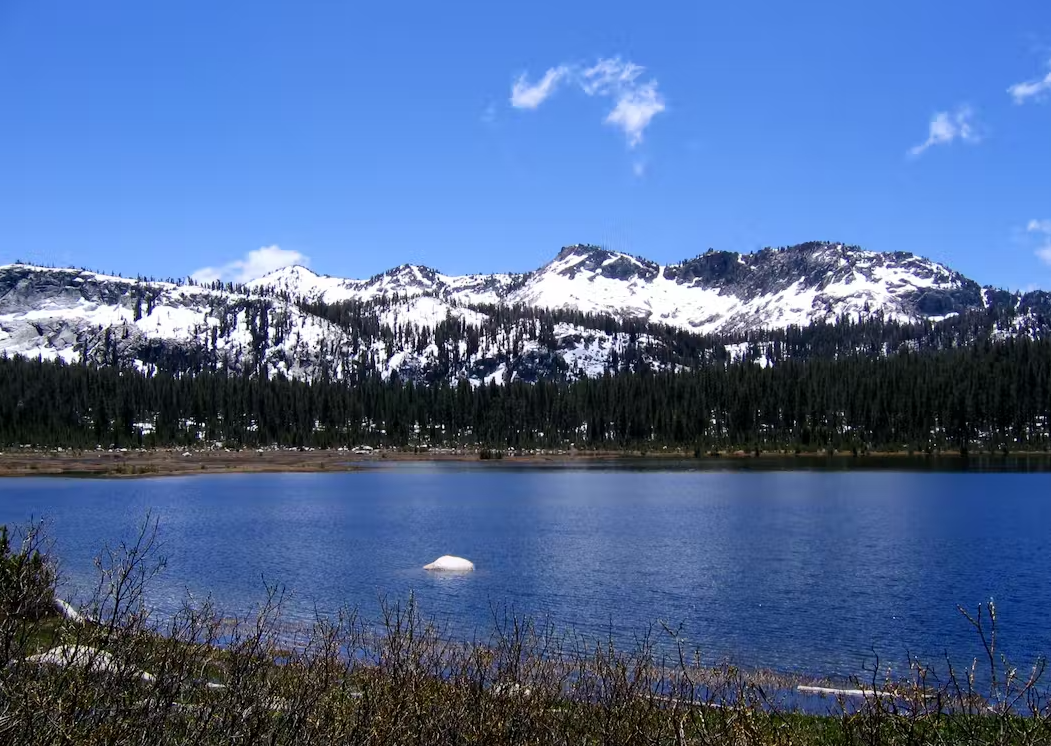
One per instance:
(448, 562)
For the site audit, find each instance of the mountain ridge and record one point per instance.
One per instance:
(586, 312)
(731, 291)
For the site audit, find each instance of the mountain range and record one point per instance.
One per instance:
(715, 292)
(588, 311)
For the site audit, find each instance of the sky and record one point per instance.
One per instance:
(224, 139)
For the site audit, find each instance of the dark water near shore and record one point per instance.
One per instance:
(804, 571)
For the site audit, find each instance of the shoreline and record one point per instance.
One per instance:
(180, 462)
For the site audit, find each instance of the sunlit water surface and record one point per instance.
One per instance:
(798, 571)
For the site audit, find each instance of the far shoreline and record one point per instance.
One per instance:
(143, 463)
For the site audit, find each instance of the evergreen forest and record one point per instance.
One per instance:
(989, 395)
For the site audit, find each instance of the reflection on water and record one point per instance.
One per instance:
(1026, 463)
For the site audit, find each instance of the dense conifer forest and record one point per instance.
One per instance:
(986, 395)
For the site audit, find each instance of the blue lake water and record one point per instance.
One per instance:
(797, 571)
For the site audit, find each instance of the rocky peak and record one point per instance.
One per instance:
(597, 261)
(714, 269)
(410, 276)
(22, 284)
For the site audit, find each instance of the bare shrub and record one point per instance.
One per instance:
(197, 677)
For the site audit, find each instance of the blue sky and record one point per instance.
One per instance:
(166, 137)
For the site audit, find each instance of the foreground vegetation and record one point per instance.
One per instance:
(119, 675)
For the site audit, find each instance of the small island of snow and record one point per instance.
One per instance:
(449, 563)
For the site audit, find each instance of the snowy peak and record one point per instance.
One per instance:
(295, 275)
(406, 279)
(813, 281)
(815, 264)
(595, 261)
(297, 281)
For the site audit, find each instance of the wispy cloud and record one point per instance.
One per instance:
(255, 264)
(1043, 229)
(526, 96)
(635, 103)
(639, 168)
(609, 76)
(1031, 89)
(945, 127)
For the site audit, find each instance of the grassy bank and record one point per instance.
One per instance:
(167, 462)
(118, 675)
(124, 463)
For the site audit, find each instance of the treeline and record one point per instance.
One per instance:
(989, 395)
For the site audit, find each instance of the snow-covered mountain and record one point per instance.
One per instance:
(71, 314)
(617, 311)
(716, 292)
(404, 280)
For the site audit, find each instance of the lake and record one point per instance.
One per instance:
(801, 571)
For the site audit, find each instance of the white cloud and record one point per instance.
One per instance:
(635, 104)
(609, 76)
(1035, 89)
(948, 126)
(635, 109)
(525, 96)
(639, 168)
(1043, 228)
(255, 264)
